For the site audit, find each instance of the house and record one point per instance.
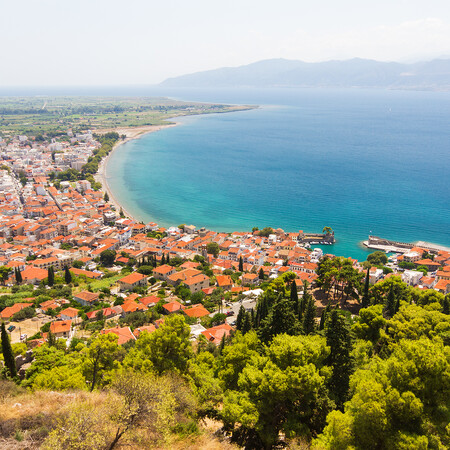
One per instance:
(196, 311)
(224, 281)
(132, 281)
(375, 275)
(197, 282)
(33, 275)
(61, 328)
(9, 311)
(107, 313)
(149, 301)
(411, 277)
(148, 328)
(86, 298)
(69, 314)
(124, 334)
(442, 286)
(215, 334)
(172, 307)
(250, 279)
(163, 272)
(131, 306)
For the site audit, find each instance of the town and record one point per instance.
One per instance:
(122, 276)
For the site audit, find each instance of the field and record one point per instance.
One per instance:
(55, 115)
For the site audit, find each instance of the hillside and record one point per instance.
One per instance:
(433, 75)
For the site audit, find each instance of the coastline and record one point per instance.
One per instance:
(131, 134)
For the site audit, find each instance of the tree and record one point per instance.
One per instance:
(280, 391)
(168, 349)
(327, 230)
(67, 275)
(241, 264)
(390, 305)
(338, 339)
(365, 298)
(102, 355)
(281, 319)
(377, 258)
(261, 275)
(240, 318)
(446, 305)
(294, 296)
(213, 248)
(8, 355)
(309, 318)
(4, 273)
(107, 257)
(51, 276)
(19, 278)
(106, 197)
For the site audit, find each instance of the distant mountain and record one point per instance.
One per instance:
(433, 75)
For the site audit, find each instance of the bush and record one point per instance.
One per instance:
(25, 313)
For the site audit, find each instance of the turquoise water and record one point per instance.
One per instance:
(359, 161)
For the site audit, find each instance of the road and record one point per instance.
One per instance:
(235, 306)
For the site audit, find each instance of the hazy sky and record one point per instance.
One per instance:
(94, 42)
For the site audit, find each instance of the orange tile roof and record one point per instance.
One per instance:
(124, 334)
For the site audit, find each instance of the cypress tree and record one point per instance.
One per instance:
(240, 318)
(446, 305)
(241, 264)
(365, 299)
(222, 344)
(389, 307)
(18, 275)
(51, 339)
(168, 258)
(309, 319)
(337, 334)
(51, 276)
(67, 275)
(261, 274)
(294, 296)
(8, 356)
(163, 259)
(247, 323)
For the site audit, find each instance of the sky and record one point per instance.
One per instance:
(126, 42)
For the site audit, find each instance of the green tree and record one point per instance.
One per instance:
(338, 339)
(327, 230)
(51, 276)
(67, 275)
(377, 258)
(107, 257)
(241, 264)
(213, 248)
(101, 356)
(8, 355)
(19, 278)
(309, 318)
(281, 319)
(4, 273)
(240, 318)
(390, 305)
(366, 298)
(261, 275)
(106, 197)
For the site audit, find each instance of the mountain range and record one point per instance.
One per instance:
(357, 72)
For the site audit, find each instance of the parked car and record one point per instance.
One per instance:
(230, 313)
(11, 328)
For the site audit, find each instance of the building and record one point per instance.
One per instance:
(61, 328)
(132, 281)
(86, 298)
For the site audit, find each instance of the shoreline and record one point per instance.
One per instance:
(131, 134)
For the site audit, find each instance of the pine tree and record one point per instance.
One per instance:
(67, 275)
(240, 318)
(389, 307)
(241, 264)
(337, 334)
(365, 299)
(309, 318)
(261, 274)
(51, 276)
(8, 356)
(281, 319)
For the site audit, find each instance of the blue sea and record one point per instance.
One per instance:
(360, 161)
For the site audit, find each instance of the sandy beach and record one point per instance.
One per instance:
(130, 133)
